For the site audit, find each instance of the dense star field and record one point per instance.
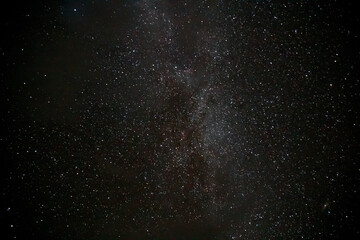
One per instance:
(186, 120)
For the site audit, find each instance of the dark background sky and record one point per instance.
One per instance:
(179, 119)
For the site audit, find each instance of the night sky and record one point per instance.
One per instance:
(180, 120)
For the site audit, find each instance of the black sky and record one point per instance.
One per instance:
(180, 119)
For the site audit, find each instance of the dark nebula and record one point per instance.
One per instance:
(186, 120)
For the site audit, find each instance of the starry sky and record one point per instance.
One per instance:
(179, 120)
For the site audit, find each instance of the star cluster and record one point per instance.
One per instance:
(180, 120)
